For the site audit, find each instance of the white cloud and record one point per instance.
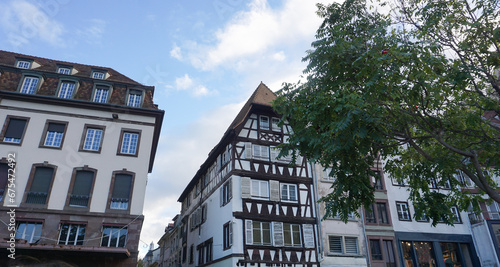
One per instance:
(176, 52)
(258, 31)
(94, 32)
(24, 22)
(185, 83)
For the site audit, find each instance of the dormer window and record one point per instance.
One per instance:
(64, 70)
(134, 98)
(98, 75)
(23, 64)
(264, 123)
(66, 89)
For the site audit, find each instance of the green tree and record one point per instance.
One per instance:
(414, 86)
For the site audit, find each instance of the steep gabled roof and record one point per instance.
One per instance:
(262, 96)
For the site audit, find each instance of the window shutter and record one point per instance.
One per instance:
(221, 190)
(41, 181)
(335, 244)
(351, 245)
(219, 161)
(230, 226)
(278, 234)
(308, 235)
(245, 187)
(15, 129)
(275, 190)
(83, 183)
(230, 189)
(264, 152)
(274, 153)
(249, 232)
(248, 150)
(56, 127)
(122, 186)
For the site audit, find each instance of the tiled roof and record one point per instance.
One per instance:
(50, 65)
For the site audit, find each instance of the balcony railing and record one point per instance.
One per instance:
(79, 200)
(36, 198)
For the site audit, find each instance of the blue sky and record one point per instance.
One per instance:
(204, 57)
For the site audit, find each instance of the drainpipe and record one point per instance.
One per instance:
(319, 242)
(366, 238)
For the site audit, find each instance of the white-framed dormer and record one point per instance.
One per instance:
(66, 70)
(135, 98)
(67, 88)
(30, 83)
(99, 74)
(25, 63)
(101, 92)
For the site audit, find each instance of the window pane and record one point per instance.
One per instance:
(257, 233)
(105, 236)
(351, 245)
(335, 244)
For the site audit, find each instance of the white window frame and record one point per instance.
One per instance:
(30, 84)
(64, 70)
(263, 189)
(79, 228)
(113, 230)
(288, 229)
(53, 139)
(134, 99)
(32, 237)
(98, 75)
(274, 124)
(93, 139)
(403, 211)
(66, 89)
(261, 233)
(456, 213)
(288, 196)
(129, 143)
(23, 64)
(101, 94)
(260, 152)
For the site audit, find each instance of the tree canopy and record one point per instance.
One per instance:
(413, 82)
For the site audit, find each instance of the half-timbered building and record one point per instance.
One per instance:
(246, 207)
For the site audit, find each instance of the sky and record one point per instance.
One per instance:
(204, 57)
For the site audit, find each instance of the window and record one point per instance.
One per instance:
(343, 245)
(40, 185)
(14, 131)
(191, 254)
(326, 174)
(493, 211)
(101, 94)
(114, 236)
(54, 133)
(289, 192)
(291, 235)
(378, 214)
(274, 124)
(226, 193)
(260, 189)
(120, 196)
(4, 175)
(375, 249)
(456, 215)
(30, 84)
(264, 122)
(23, 64)
(92, 138)
(129, 143)
(98, 75)
(205, 252)
(64, 70)
(259, 233)
(390, 258)
(403, 211)
(227, 230)
(260, 152)
(382, 213)
(29, 231)
(66, 89)
(377, 181)
(72, 234)
(134, 98)
(82, 186)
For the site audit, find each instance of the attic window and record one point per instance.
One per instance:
(23, 64)
(98, 75)
(64, 70)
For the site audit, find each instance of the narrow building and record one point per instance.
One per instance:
(245, 207)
